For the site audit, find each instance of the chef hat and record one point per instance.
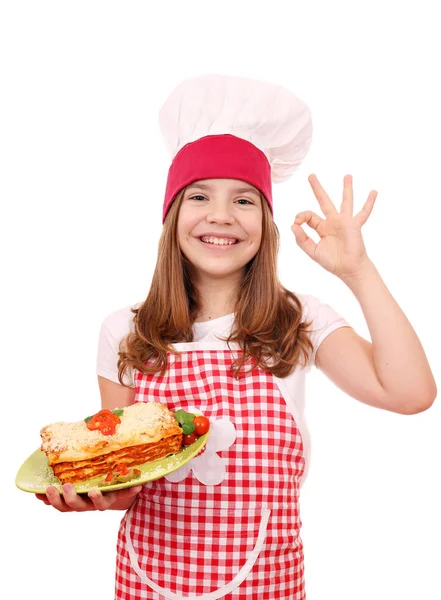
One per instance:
(218, 126)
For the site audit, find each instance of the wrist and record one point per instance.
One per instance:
(367, 269)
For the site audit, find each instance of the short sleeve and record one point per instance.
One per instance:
(324, 319)
(113, 329)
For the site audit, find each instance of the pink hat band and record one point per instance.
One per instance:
(218, 157)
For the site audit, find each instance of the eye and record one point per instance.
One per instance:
(245, 200)
(197, 197)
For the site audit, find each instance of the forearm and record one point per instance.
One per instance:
(400, 362)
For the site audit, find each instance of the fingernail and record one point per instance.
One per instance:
(67, 487)
(94, 492)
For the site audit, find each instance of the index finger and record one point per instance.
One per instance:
(324, 200)
(55, 499)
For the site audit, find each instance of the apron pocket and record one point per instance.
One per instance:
(193, 557)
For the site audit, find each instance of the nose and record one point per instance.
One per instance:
(220, 212)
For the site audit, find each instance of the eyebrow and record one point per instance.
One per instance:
(238, 190)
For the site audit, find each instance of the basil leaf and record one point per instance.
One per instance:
(180, 416)
(87, 419)
(118, 412)
(189, 418)
(188, 427)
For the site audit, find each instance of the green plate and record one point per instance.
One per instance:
(35, 475)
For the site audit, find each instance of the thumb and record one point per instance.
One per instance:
(123, 493)
(304, 241)
(132, 491)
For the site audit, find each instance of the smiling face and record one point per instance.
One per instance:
(220, 227)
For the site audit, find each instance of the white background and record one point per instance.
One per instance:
(83, 170)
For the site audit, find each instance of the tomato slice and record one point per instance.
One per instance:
(109, 477)
(122, 469)
(202, 425)
(92, 425)
(104, 411)
(107, 427)
(105, 420)
(101, 415)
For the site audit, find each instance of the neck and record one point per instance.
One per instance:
(217, 298)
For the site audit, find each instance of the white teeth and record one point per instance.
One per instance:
(218, 241)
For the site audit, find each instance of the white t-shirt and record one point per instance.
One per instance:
(324, 321)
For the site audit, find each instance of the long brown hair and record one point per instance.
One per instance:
(267, 323)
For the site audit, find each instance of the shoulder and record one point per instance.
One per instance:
(311, 305)
(323, 318)
(120, 322)
(314, 308)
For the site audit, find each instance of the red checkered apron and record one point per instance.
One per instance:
(239, 539)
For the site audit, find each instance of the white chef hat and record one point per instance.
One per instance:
(219, 126)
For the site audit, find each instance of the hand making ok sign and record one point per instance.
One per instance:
(341, 249)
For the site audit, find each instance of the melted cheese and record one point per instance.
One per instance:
(141, 423)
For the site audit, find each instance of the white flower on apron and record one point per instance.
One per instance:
(209, 468)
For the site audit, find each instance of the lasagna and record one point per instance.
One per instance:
(136, 434)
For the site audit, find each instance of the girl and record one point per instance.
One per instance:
(220, 335)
